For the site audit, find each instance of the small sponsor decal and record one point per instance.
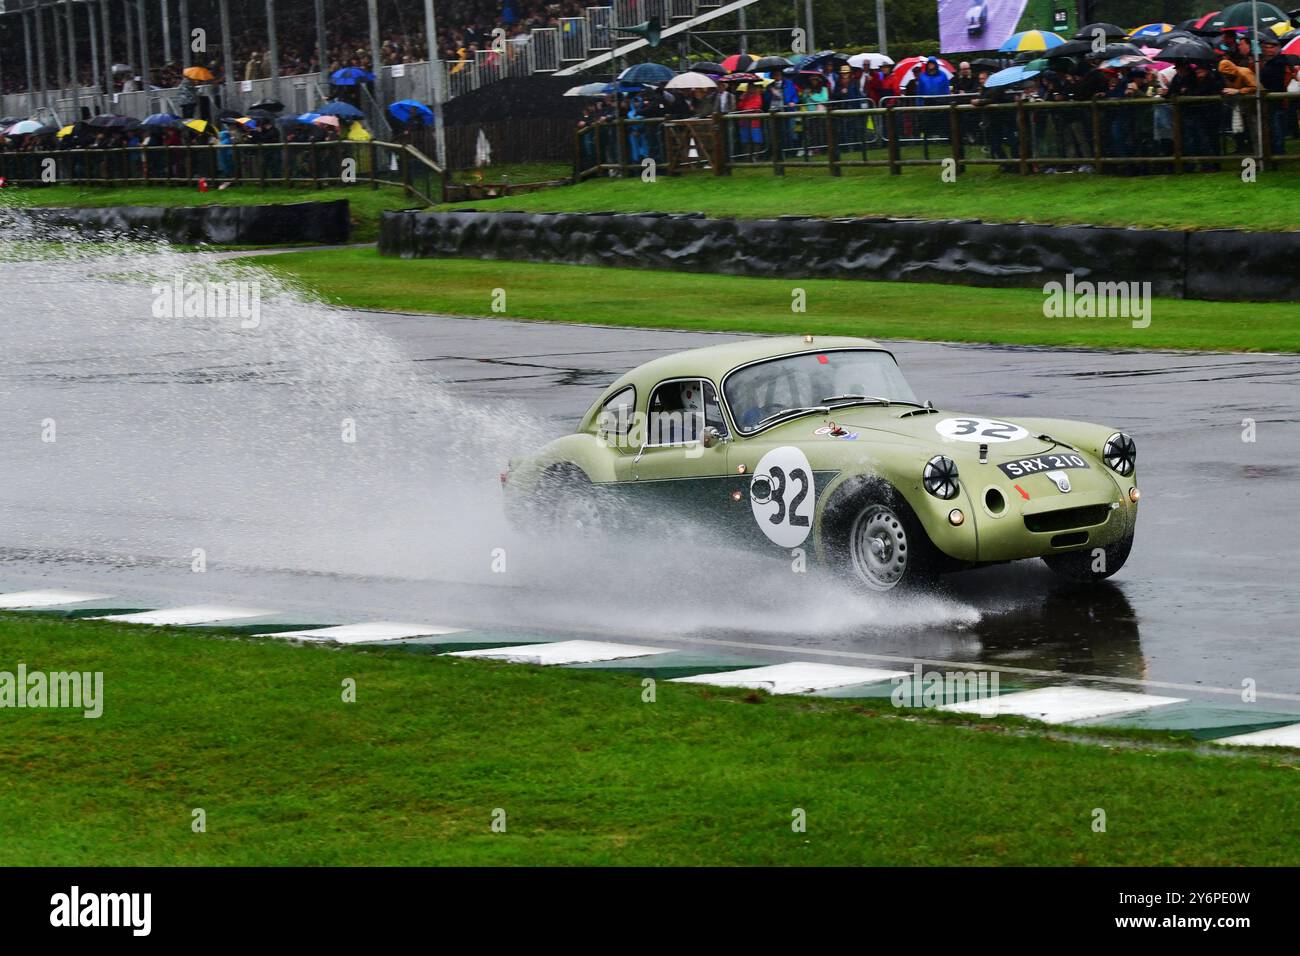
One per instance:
(1061, 480)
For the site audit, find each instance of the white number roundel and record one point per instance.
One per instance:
(782, 496)
(984, 430)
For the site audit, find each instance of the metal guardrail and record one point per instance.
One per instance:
(1153, 134)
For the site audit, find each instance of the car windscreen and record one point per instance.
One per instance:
(757, 392)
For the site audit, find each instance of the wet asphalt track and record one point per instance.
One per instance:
(1208, 598)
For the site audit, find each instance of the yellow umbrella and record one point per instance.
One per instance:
(198, 73)
(64, 132)
(358, 134)
(198, 125)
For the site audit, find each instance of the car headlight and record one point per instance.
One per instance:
(1120, 454)
(940, 477)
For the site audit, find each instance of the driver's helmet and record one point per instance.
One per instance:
(692, 399)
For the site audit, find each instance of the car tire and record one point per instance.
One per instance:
(1078, 565)
(876, 543)
(565, 502)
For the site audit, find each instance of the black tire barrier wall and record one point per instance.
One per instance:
(1220, 264)
(326, 222)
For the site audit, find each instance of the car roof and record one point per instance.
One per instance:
(715, 361)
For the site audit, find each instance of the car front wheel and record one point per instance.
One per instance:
(1089, 565)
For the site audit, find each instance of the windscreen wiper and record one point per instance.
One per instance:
(793, 411)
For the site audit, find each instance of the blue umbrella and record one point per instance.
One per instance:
(342, 110)
(161, 119)
(1012, 74)
(351, 76)
(646, 74)
(408, 111)
(307, 117)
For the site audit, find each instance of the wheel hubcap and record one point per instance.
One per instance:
(878, 545)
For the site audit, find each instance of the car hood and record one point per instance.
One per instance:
(892, 425)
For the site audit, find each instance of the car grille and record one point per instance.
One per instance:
(1065, 518)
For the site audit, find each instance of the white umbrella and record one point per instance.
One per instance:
(869, 61)
(691, 81)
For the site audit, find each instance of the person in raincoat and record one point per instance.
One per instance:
(1239, 82)
(225, 154)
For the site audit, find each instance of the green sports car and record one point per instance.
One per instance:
(819, 444)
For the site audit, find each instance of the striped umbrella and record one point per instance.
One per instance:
(1151, 30)
(1292, 48)
(1030, 40)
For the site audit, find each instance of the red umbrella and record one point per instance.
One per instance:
(1292, 48)
(738, 62)
(903, 71)
(1200, 24)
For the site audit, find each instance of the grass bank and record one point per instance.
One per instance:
(255, 733)
(1193, 201)
(632, 297)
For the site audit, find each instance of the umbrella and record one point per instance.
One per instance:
(695, 81)
(411, 111)
(306, 117)
(1073, 48)
(1166, 38)
(325, 120)
(358, 134)
(1151, 30)
(199, 126)
(646, 74)
(1119, 49)
(804, 77)
(342, 110)
(161, 119)
(265, 115)
(903, 71)
(1120, 62)
(738, 62)
(1109, 30)
(1292, 48)
(739, 78)
(271, 106)
(1201, 24)
(1243, 15)
(351, 76)
(987, 64)
(869, 61)
(708, 66)
(589, 89)
(819, 61)
(112, 121)
(198, 73)
(64, 132)
(1030, 40)
(1011, 75)
(1188, 50)
(769, 64)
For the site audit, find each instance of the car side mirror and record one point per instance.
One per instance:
(710, 437)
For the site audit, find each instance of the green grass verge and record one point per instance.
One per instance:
(680, 300)
(255, 733)
(1199, 201)
(364, 204)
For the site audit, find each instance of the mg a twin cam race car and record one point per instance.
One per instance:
(820, 444)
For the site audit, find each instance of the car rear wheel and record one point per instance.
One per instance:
(884, 547)
(1087, 565)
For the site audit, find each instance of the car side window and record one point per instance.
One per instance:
(616, 415)
(681, 409)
